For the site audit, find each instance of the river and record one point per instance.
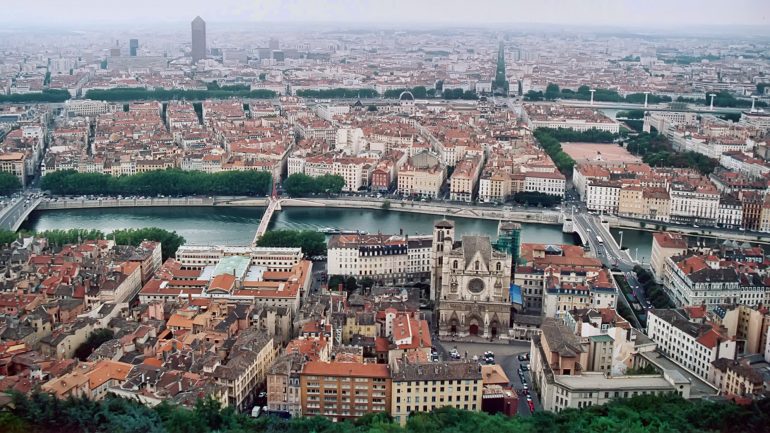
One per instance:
(237, 225)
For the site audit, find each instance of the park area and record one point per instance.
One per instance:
(607, 152)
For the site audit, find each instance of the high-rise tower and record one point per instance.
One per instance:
(133, 47)
(198, 39)
(500, 85)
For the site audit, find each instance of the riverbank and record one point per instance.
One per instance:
(529, 215)
(449, 210)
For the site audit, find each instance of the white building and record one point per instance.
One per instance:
(392, 259)
(693, 346)
(547, 183)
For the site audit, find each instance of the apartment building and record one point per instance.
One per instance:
(692, 345)
(344, 390)
(559, 361)
(733, 378)
(422, 175)
(389, 258)
(747, 325)
(15, 163)
(551, 183)
(696, 280)
(571, 289)
(246, 367)
(423, 387)
(664, 246)
(462, 183)
(694, 203)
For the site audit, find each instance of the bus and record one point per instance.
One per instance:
(599, 239)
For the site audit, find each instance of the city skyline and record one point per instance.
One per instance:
(651, 15)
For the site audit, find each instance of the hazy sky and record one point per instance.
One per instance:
(656, 13)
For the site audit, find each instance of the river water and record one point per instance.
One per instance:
(236, 225)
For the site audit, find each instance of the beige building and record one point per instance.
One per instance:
(89, 380)
(423, 175)
(494, 186)
(631, 202)
(250, 358)
(657, 204)
(283, 390)
(745, 324)
(423, 387)
(462, 184)
(15, 164)
(344, 390)
(734, 378)
(665, 245)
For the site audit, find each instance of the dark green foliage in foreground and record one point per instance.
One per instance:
(165, 182)
(302, 185)
(312, 243)
(41, 413)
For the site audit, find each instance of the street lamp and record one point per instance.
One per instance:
(621, 239)
(712, 95)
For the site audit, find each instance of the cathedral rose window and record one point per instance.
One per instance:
(476, 285)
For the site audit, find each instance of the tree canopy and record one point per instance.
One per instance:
(43, 413)
(47, 95)
(313, 243)
(338, 93)
(583, 93)
(593, 135)
(177, 94)
(9, 183)
(656, 150)
(166, 182)
(553, 148)
(170, 240)
(302, 185)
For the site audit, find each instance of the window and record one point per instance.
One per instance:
(499, 267)
(476, 265)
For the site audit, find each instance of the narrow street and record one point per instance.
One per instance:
(506, 355)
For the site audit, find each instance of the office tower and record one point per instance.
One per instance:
(198, 39)
(274, 44)
(133, 46)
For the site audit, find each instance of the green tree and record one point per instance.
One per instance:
(170, 241)
(165, 182)
(338, 93)
(139, 94)
(302, 185)
(9, 183)
(313, 243)
(7, 236)
(47, 95)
